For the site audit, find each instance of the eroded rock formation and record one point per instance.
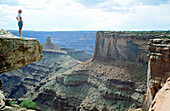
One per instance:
(80, 55)
(161, 101)
(158, 70)
(16, 52)
(114, 79)
(111, 84)
(49, 46)
(121, 46)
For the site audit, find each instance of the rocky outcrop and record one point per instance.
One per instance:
(161, 101)
(122, 46)
(51, 47)
(158, 69)
(16, 52)
(2, 101)
(80, 55)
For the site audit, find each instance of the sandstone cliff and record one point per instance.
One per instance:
(161, 101)
(16, 52)
(158, 70)
(122, 46)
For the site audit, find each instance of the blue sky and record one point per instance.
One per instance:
(57, 15)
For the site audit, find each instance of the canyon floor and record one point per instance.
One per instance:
(63, 83)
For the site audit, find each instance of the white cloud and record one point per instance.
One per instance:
(73, 15)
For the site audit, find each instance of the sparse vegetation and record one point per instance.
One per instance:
(28, 104)
(12, 103)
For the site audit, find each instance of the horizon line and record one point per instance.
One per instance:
(86, 30)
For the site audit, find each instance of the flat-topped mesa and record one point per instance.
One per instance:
(16, 52)
(158, 69)
(125, 46)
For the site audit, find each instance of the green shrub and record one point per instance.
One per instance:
(12, 103)
(28, 104)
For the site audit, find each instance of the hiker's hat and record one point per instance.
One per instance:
(19, 10)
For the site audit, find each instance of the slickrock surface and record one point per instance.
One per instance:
(121, 46)
(161, 101)
(16, 52)
(158, 69)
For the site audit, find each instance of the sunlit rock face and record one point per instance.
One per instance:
(16, 52)
(161, 101)
(158, 70)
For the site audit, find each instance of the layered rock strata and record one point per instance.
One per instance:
(16, 52)
(60, 83)
(121, 46)
(106, 81)
(158, 69)
(93, 85)
(35, 75)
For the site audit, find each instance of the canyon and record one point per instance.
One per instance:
(15, 52)
(114, 79)
(99, 84)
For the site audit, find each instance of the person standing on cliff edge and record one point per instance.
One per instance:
(20, 22)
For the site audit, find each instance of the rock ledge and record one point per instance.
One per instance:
(16, 52)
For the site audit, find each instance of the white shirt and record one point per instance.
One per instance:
(19, 15)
